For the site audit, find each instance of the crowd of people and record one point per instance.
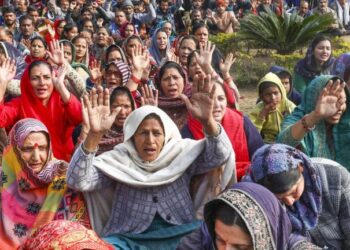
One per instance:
(120, 128)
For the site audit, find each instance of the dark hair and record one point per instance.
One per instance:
(169, 65)
(229, 217)
(38, 63)
(284, 74)
(265, 85)
(8, 9)
(67, 28)
(281, 182)
(25, 17)
(88, 31)
(32, 8)
(77, 38)
(317, 40)
(191, 56)
(156, 117)
(121, 91)
(347, 73)
(40, 39)
(198, 25)
(190, 37)
(112, 48)
(106, 29)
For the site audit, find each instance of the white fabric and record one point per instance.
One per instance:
(123, 163)
(343, 13)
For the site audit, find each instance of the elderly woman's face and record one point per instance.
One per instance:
(122, 101)
(149, 139)
(172, 83)
(113, 77)
(41, 81)
(231, 237)
(35, 151)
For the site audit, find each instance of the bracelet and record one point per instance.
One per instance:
(136, 80)
(305, 125)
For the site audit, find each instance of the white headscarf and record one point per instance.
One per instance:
(124, 164)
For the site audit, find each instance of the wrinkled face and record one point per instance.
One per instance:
(10, 18)
(27, 27)
(231, 237)
(124, 103)
(272, 95)
(41, 81)
(322, 52)
(149, 139)
(162, 40)
(172, 83)
(197, 4)
(120, 18)
(113, 77)
(128, 10)
(337, 116)
(73, 32)
(304, 7)
(293, 194)
(167, 27)
(323, 4)
(164, 6)
(114, 56)
(132, 44)
(68, 54)
(37, 49)
(286, 83)
(202, 35)
(129, 30)
(35, 151)
(220, 103)
(194, 68)
(80, 48)
(186, 47)
(102, 37)
(89, 26)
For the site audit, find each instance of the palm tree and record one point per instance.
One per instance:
(285, 33)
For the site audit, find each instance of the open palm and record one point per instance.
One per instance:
(100, 116)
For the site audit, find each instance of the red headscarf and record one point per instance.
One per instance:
(53, 115)
(233, 124)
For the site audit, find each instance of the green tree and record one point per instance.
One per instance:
(285, 33)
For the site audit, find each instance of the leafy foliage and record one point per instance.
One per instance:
(285, 33)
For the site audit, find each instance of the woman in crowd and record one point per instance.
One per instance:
(102, 41)
(33, 186)
(320, 125)
(146, 168)
(44, 97)
(115, 53)
(187, 44)
(82, 55)
(127, 30)
(55, 32)
(316, 192)
(38, 50)
(228, 224)
(159, 46)
(318, 61)
(244, 137)
(70, 30)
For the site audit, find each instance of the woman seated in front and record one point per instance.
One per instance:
(151, 171)
(316, 192)
(33, 185)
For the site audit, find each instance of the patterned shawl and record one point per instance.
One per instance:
(307, 66)
(277, 158)
(263, 215)
(30, 200)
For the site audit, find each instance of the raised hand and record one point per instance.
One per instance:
(330, 99)
(140, 58)
(225, 65)
(202, 101)
(148, 98)
(56, 53)
(204, 57)
(7, 73)
(101, 117)
(95, 72)
(58, 81)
